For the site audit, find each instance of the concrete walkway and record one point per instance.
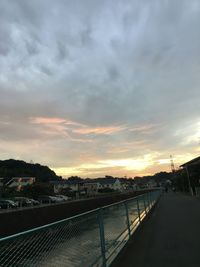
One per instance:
(170, 237)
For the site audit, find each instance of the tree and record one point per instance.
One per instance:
(75, 178)
(106, 190)
(9, 192)
(37, 189)
(18, 168)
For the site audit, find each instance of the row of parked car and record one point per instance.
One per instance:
(17, 202)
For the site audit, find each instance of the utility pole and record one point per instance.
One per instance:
(172, 164)
(188, 177)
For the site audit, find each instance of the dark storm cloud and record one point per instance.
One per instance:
(102, 64)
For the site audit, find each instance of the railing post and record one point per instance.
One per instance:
(153, 198)
(151, 201)
(102, 237)
(138, 209)
(145, 208)
(127, 218)
(148, 201)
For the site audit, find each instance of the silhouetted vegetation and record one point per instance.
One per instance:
(75, 178)
(160, 178)
(180, 181)
(37, 189)
(106, 190)
(8, 192)
(18, 168)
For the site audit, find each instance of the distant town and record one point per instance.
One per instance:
(21, 179)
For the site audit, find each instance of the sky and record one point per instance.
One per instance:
(94, 88)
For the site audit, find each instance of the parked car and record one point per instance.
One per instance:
(64, 198)
(34, 202)
(6, 204)
(57, 199)
(23, 201)
(46, 199)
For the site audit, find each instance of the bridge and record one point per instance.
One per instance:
(147, 230)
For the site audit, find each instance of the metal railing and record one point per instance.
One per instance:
(93, 238)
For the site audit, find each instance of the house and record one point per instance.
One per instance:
(151, 183)
(128, 185)
(193, 162)
(19, 182)
(66, 184)
(110, 183)
(192, 169)
(91, 188)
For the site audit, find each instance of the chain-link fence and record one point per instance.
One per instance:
(90, 239)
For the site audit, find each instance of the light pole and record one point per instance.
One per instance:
(188, 177)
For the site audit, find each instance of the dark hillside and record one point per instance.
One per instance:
(17, 168)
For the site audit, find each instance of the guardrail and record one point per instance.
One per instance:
(93, 238)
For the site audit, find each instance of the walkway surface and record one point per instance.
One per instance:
(170, 237)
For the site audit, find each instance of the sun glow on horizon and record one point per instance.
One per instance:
(121, 165)
(147, 165)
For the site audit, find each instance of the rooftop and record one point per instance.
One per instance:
(191, 162)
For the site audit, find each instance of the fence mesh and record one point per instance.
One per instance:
(72, 243)
(77, 241)
(115, 227)
(133, 214)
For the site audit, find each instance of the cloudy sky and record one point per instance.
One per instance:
(94, 88)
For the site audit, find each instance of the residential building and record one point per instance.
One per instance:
(151, 183)
(91, 188)
(65, 184)
(110, 183)
(19, 182)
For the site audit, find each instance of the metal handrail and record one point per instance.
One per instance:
(104, 230)
(67, 219)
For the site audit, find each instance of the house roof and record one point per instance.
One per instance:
(91, 182)
(23, 177)
(191, 162)
(107, 181)
(67, 182)
(5, 180)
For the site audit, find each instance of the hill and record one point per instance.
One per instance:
(16, 168)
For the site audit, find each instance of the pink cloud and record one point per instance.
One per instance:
(55, 120)
(143, 128)
(47, 120)
(100, 130)
(73, 130)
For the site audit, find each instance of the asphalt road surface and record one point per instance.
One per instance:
(170, 237)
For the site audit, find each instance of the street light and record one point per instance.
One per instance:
(188, 177)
